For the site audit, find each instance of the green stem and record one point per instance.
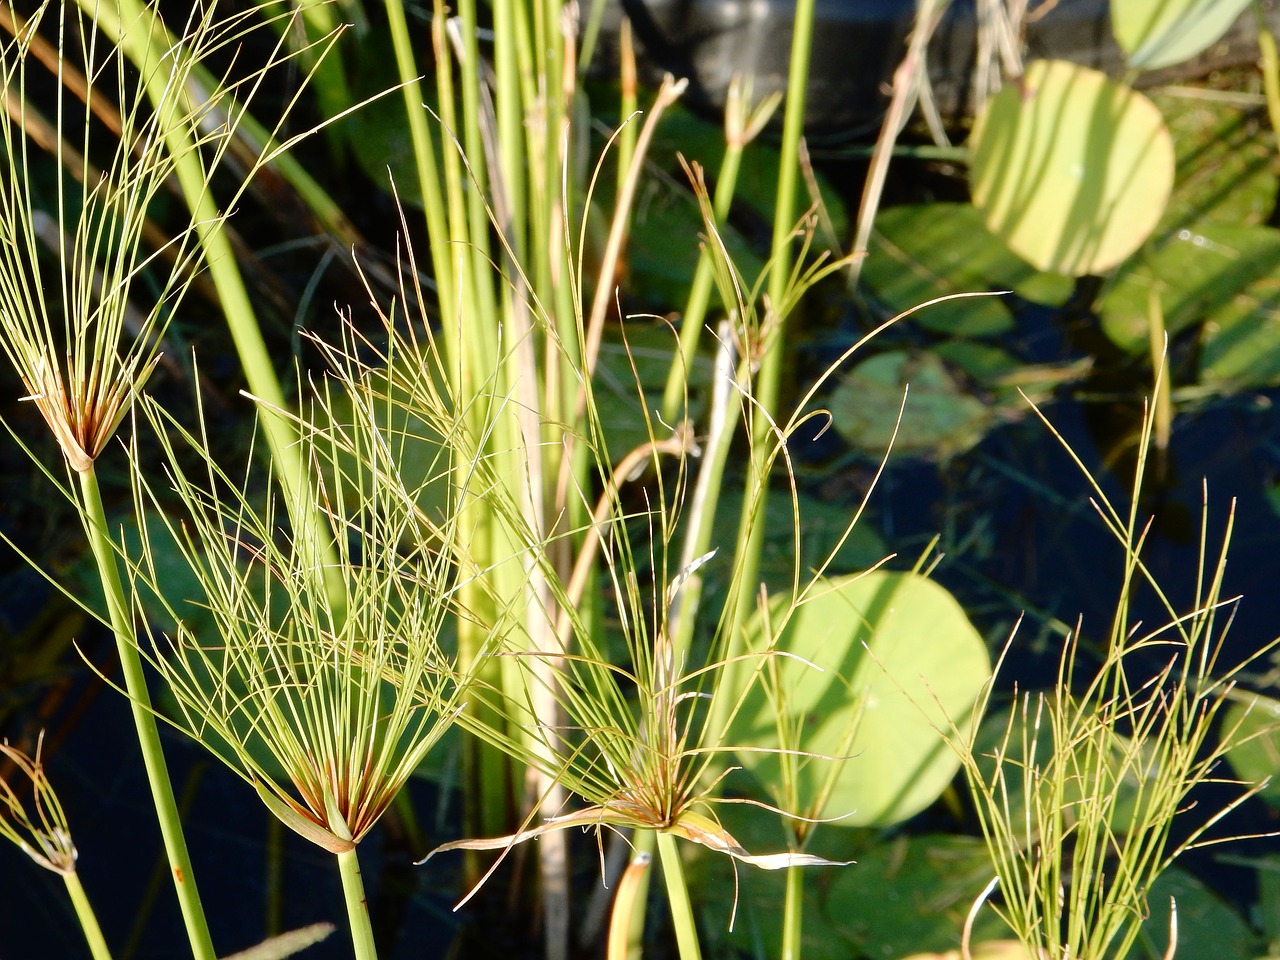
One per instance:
(357, 906)
(793, 913)
(678, 897)
(88, 919)
(175, 845)
(751, 532)
(1270, 67)
(140, 41)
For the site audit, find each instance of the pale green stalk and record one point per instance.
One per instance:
(773, 331)
(426, 168)
(139, 39)
(87, 918)
(175, 844)
(1158, 346)
(792, 915)
(357, 906)
(678, 896)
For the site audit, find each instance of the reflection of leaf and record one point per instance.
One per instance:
(939, 419)
(922, 252)
(1160, 33)
(1071, 170)
(897, 660)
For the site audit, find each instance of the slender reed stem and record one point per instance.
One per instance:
(175, 844)
(133, 26)
(793, 913)
(751, 533)
(678, 897)
(88, 919)
(1270, 62)
(357, 906)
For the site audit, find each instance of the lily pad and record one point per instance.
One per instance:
(920, 252)
(1070, 169)
(1222, 276)
(905, 894)
(1207, 926)
(1256, 721)
(1226, 163)
(940, 419)
(887, 660)
(912, 895)
(1161, 33)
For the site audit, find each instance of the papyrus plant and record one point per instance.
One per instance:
(31, 816)
(323, 703)
(73, 257)
(637, 748)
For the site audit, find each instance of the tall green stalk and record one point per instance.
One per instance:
(773, 333)
(357, 906)
(87, 918)
(678, 897)
(135, 26)
(175, 845)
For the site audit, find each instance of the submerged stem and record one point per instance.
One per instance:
(95, 524)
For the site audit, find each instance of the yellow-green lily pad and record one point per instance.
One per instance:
(920, 252)
(940, 419)
(1070, 169)
(886, 661)
(1224, 277)
(1160, 33)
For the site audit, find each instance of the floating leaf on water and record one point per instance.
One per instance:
(920, 252)
(940, 419)
(1256, 720)
(1161, 33)
(1224, 277)
(1070, 169)
(898, 661)
(1226, 163)
(1207, 926)
(991, 950)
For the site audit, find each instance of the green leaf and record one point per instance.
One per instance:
(1161, 33)
(940, 418)
(1221, 276)
(920, 252)
(1256, 755)
(912, 895)
(1070, 169)
(887, 659)
(1226, 163)
(1207, 927)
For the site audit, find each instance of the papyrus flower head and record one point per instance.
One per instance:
(30, 814)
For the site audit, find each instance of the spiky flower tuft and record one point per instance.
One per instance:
(37, 825)
(323, 688)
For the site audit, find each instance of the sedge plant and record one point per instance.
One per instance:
(1085, 797)
(637, 748)
(31, 817)
(324, 704)
(81, 345)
